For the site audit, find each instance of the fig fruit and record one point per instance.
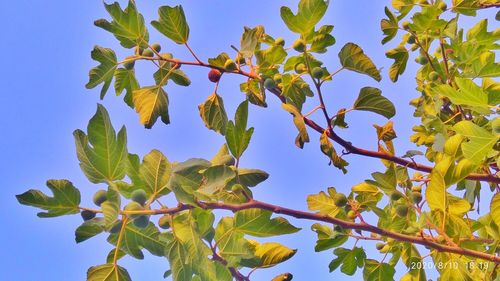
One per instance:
(100, 197)
(139, 196)
(214, 75)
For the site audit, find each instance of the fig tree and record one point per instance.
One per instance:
(340, 199)
(87, 215)
(99, 197)
(156, 47)
(299, 45)
(214, 75)
(317, 72)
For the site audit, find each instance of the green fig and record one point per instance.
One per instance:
(139, 196)
(318, 72)
(117, 226)
(100, 197)
(433, 76)
(269, 84)
(134, 206)
(277, 78)
(300, 68)
(380, 246)
(416, 188)
(497, 16)
(156, 47)
(279, 41)
(422, 60)
(416, 197)
(164, 222)
(396, 195)
(351, 214)
(411, 39)
(87, 215)
(339, 199)
(148, 53)
(129, 64)
(443, 6)
(299, 45)
(141, 221)
(406, 25)
(402, 210)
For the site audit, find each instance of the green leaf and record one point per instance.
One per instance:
(371, 99)
(89, 229)
(295, 90)
(323, 203)
(213, 113)
(389, 26)
(127, 25)
(179, 260)
(215, 179)
(250, 40)
(103, 73)
(111, 208)
(172, 23)
(66, 199)
(237, 136)
(268, 59)
(102, 154)
(376, 271)
(327, 237)
(155, 173)
(186, 178)
(480, 141)
(255, 92)
(165, 73)
(353, 58)
(308, 15)
(495, 208)
(269, 255)
(298, 120)
(348, 260)
(223, 157)
(469, 94)
(328, 149)
(125, 80)
(219, 61)
(230, 241)
(151, 102)
(258, 223)
(251, 177)
(107, 272)
(134, 239)
(400, 56)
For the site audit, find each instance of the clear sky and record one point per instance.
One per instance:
(45, 62)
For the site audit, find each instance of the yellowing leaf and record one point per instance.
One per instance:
(213, 113)
(151, 103)
(480, 141)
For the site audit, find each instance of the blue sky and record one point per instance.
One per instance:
(46, 58)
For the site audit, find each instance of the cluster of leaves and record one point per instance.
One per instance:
(459, 128)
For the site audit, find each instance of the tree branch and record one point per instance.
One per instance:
(331, 134)
(254, 204)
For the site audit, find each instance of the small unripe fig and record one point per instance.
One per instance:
(87, 215)
(402, 210)
(129, 64)
(277, 78)
(116, 227)
(422, 60)
(433, 76)
(156, 47)
(241, 60)
(411, 39)
(396, 195)
(340, 199)
(300, 68)
(379, 246)
(141, 221)
(279, 41)
(385, 249)
(351, 214)
(406, 25)
(269, 84)
(230, 65)
(299, 45)
(164, 222)
(148, 53)
(423, 2)
(497, 16)
(99, 197)
(338, 228)
(214, 75)
(442, 6)
(134, 206)
(317, 72)
(416, 188)
(139, 196)
(416, 197)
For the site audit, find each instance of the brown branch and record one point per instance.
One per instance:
(254, 204)
(331, 134)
